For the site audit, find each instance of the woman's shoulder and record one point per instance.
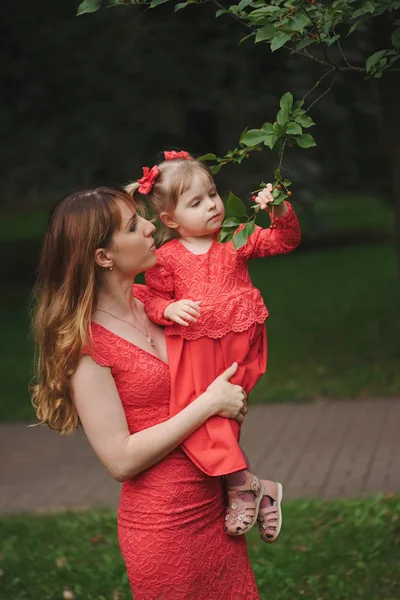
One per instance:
(99, 341)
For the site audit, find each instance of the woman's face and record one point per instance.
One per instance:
(133, 248)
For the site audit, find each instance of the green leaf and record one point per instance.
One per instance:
(265, 33)
(279, 41)
(88, 6)
(268, 128)
(253, 137)
(353, 27)
(182, 5)
(305, 141)
(155, 3)
(374, 59)
(396, 37)
(112, 3)
(367, 7)
(298, 22)
(236, 206)
(264, 11)
(270, 140)
(286, 102)
(287, 182)
(231, 222)
(278, 129)
(277, 174)
(240, 238)
(221, 12)
(246, 37)
(208, 156)
(215, 169)
(304, 43)
(293, 128)
(304, 120)
(225, 235)
(282, 117)
(250, 227)
(298, 104)
(243, 4)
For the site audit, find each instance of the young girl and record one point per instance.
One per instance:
(201, 291)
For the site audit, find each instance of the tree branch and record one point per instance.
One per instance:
(328, 60)
(323, 94)
(221, 7)
(319, 82)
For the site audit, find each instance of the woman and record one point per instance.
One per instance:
(102, 362)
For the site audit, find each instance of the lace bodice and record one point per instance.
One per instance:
(171, 516)
(219, 278)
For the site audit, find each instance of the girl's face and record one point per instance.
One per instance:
(200, 210)
(132, 250)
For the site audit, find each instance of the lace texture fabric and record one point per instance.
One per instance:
(219, 278)
(171, 516)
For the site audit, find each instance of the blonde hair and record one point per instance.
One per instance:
(175, 178)
(65, 295)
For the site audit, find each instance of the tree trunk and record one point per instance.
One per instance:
(390, 99)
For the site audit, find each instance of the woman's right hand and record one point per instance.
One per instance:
(228, 399)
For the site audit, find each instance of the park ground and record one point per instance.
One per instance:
(333, 336)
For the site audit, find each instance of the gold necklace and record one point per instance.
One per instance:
(146, 335)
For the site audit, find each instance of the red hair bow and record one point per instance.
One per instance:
(148, 179)
(172, 155)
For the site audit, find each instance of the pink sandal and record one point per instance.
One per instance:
(242, 514)
(270, 517)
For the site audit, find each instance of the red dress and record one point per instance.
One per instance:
(171, 516)
(231, 328)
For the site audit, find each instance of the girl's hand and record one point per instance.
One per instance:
(229, 400)
(183, 311)
(264, 198)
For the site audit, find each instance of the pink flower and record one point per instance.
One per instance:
(148, 179)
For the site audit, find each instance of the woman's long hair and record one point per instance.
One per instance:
(65, 296)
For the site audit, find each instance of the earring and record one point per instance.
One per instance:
(110, 268)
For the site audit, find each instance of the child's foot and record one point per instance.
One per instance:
(244, 500)
(270, 514)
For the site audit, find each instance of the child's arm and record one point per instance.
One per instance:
(160, 292)
(283, 236)
(159, 303)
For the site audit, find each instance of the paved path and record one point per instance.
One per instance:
(325, 450)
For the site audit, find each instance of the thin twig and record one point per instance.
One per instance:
(322, 95)
(328, 60)
(221, 7)
(340, 49)
(309, 56)
(331, 66)
(319, 82)
(281, 154)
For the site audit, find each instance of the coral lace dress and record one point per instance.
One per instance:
(231, 328)
(171, 516)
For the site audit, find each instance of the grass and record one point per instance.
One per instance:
(334, 314)
(334, 324)
(326, 551)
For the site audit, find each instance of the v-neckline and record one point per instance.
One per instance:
(131, 343)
